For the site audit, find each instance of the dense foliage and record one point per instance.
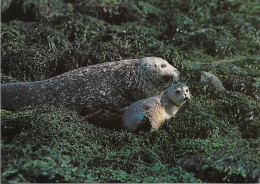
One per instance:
(213, 138)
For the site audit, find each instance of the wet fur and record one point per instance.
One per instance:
(155, 110)
(109, 86)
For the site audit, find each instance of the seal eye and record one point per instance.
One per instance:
(163, 65)
(187, 90)
(178, 92)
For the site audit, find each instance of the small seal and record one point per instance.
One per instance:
(108, 86)
(149, 114)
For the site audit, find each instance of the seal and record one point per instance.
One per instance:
(150, 113)
(111, 85)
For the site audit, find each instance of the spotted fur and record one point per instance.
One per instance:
(103, 86)
(155, 109)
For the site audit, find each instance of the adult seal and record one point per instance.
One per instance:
(150, 113)
(107, 86)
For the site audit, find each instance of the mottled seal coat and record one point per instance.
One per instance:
(103, 86)
(149, 114)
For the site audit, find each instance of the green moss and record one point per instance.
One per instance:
(104, 155)
(40, 164)
(111, 156)
(233, 160)
(211, 28)
(30, 52)
(45, 165)
(31, 11)
(113, 12)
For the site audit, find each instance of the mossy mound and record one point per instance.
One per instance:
(56, 145)
(206, 29)
(221, 160)
(31, 51)
(226, 113)
(54, 138)
(242, 76)
(197, 31)
(47, 165)
(113, 12)
(34, 11)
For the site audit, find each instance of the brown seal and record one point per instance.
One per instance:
(103, 86)
(149, 114)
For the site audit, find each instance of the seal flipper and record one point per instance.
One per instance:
(144, 125)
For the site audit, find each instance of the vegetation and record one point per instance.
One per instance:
(213, 138)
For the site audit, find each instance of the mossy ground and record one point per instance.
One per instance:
(214, 137)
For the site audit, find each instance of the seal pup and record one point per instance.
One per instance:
(150, 113)
(108, 86)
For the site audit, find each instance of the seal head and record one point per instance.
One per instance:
(178, 94)
(157, 70)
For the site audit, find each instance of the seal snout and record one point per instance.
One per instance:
(173, 75)
(186, 98)
(177, 71)
(186, 95)
(176, 75)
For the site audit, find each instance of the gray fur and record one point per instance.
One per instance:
(103, 86)
(150, 113)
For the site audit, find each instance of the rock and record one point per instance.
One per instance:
(212, 80)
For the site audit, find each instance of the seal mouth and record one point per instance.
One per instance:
(186, 99)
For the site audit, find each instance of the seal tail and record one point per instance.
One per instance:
(15, 96)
